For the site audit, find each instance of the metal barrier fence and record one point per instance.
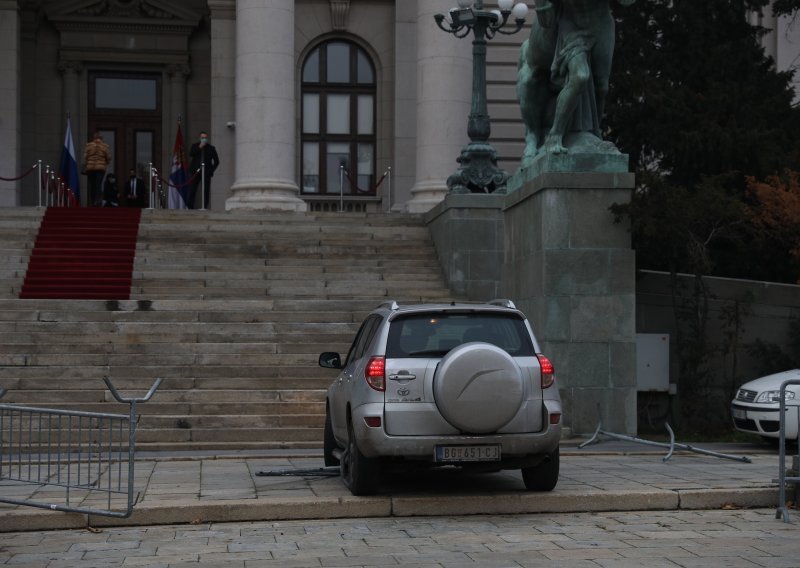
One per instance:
(68, 460)
(783, 478)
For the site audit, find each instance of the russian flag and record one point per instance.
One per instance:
(178, 190)
(68, 168)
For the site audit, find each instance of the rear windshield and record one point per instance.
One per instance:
(426, 335)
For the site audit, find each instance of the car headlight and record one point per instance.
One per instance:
(774, 396)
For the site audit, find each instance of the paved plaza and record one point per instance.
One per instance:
(212, 488)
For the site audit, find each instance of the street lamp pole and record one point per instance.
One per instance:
(478, 172)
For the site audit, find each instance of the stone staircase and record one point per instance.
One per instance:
(230, 309)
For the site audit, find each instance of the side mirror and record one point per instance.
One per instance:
(330, 360)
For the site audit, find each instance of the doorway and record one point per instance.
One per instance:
(126, 109)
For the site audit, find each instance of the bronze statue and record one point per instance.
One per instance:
(563, 74)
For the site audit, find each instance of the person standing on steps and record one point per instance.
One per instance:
(201, 152)
(134, 190)
(96, 158)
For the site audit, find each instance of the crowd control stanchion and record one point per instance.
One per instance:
(203, 185)
(389, 188)
(150, 176)
(341, 188)
(39, 181)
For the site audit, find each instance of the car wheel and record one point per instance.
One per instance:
(544, 476)
(329, 442)
(470, 376)
(359, 473)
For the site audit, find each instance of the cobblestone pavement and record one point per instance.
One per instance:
(687, 539)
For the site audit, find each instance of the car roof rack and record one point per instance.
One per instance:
(391, 304)
(503, 302)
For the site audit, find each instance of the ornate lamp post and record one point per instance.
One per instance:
(479, 172)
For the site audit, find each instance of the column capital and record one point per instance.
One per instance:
(222, 9)
(68, 66)
(179, 72)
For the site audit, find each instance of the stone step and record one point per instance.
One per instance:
(230, 309)
(166, 395)
(221, 435)
(144, 374)
(231, 421)
(158, 348)
(186, 436)
(187, 331)
(47, 359)
(262, 274)
(223, 305)
(198, 385)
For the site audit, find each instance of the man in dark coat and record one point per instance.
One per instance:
(135, 190)
(201, 153)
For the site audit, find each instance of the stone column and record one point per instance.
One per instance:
(10, 132)
(71, 105)
(223, 96)
(444, 95)
(177, 100)
(265, 107)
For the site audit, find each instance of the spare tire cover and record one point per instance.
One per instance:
(478, 387)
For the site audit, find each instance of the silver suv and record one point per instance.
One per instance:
(443, 384)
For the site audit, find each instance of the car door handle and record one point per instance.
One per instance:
(402, 376)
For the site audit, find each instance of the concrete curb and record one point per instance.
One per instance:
(245, 510)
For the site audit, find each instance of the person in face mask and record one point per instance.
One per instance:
(134, 190)
(201, 152)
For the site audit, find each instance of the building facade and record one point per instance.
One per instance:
(311, 104)
(308, 102)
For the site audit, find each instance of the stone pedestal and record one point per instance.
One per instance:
(572, 271)
(552, 247)
(468, 230)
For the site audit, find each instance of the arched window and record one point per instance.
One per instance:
(338, 120)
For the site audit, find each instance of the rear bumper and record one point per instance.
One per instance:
(374, 442)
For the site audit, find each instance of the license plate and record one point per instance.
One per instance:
(739, 414)
(488, 452)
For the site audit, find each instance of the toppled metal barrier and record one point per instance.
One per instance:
(311, 472)
(70, 461)
(595, 439)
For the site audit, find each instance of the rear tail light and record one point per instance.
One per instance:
(555, 418)
(548, 372)
(375, 373)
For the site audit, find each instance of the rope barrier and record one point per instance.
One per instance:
(26, 174)
(180, 185)
(354, 183)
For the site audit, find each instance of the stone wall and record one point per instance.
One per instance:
(739, 313)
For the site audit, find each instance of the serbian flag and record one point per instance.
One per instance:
(68, 169)
(178, 190)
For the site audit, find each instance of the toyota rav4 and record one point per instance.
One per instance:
(443, 384)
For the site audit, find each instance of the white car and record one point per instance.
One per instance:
(756, 408)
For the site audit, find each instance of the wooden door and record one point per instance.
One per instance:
(126, 109)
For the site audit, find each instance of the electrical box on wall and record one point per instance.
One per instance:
(652, 362)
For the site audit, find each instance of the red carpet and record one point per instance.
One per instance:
(83, 253)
